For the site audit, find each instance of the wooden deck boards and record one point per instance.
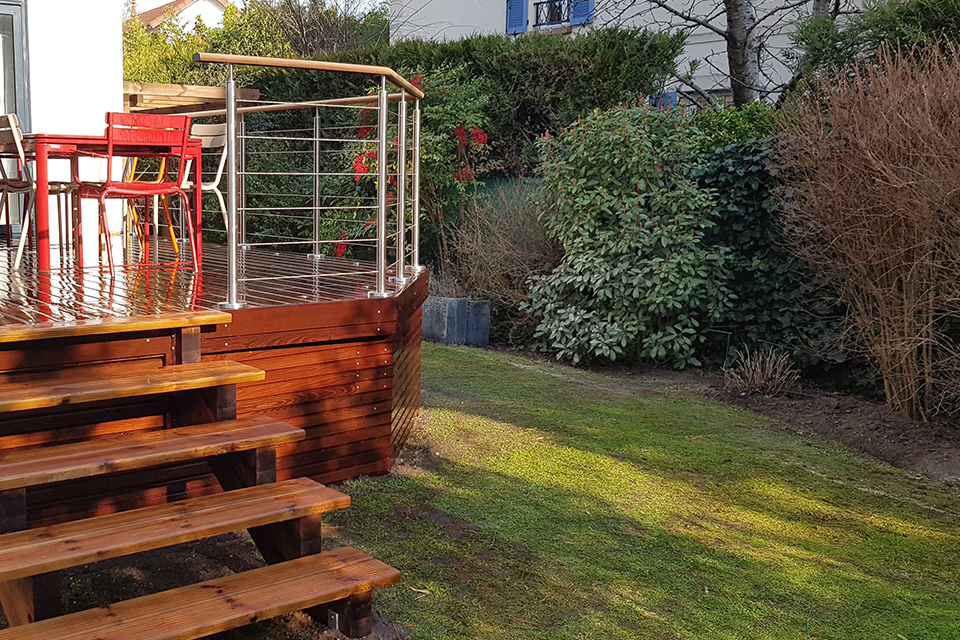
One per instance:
(70, 296)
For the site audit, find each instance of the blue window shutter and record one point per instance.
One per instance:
(516, 16)
(581, 11)
(663, 101)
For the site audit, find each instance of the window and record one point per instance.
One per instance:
(563, 12)
(552, 12)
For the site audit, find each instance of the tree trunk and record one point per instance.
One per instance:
(822, 7)
(743, 51)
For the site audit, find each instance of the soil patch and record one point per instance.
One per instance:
(928, 449)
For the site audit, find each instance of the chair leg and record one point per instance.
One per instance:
(78, 230)
(190, 230)
(173, 233)
(223, 207)
(5, 210)
(24, 231)
(105, 233)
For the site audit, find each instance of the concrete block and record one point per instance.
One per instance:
(456, 321)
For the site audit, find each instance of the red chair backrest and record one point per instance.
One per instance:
(157, 134)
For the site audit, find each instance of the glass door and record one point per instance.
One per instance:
(13, 85)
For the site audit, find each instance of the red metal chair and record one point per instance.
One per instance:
(144, 135)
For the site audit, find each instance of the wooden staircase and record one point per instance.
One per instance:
(198, 402)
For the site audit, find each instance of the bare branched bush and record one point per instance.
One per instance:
(768, 372)
(499, 245)
(871, 161)
(443, 284)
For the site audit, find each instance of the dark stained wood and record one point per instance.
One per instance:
(338, 364)
(223, 603)
(13, 510)
(282, 541)
(245, 468)
(406, 362)
(354, 614)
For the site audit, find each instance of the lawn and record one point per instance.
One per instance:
(550, 502)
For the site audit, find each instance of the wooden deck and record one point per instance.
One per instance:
(339, 364)
(71, 296)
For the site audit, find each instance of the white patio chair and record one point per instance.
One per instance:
(212, 136)
(23, 183)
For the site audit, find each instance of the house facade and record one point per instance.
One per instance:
(62, 63)
(705, 49)
(186, 12)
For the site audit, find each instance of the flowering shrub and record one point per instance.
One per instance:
(636, 281)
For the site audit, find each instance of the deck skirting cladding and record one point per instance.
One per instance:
(348, 373)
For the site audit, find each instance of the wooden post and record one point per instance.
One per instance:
(354, 614)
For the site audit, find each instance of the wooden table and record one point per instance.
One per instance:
(44, 146)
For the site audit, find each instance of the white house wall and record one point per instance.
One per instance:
(454, 19)
(210, 12)
(446, 21)
(75, 58)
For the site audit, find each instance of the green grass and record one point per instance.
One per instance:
(558, 503)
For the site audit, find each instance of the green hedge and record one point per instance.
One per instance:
(535, 84)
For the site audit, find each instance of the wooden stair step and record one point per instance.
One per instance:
(104, 326)
(217, 605)
(179, 377)
(31, 466)
(51, 548)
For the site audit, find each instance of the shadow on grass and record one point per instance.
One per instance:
(503, 558)
(561, 507)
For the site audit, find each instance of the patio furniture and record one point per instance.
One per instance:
(158, 136)
(211, 136)
(22, 183)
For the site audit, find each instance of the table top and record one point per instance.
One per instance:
(69, 145)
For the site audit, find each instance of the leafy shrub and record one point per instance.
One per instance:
(636, 280)
(721, 128)
(541, 82)
(827, 43)
(778, 298)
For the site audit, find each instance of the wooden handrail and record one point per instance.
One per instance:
(285, 106)
(312, 65)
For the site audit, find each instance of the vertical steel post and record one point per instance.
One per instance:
(401, 187)
(316, 184)
(415, 215)
(382, 126)
(242, 181)
(232, 301)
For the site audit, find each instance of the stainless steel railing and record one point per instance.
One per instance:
(298, 178)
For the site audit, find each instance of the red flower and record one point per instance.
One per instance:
(369, 223)
(370, 154)
(464, 176)
(359, 168)
(479, 137)
(461, 135)
(658, 167)
(364, 131)
(341, 247)
(417, 82)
